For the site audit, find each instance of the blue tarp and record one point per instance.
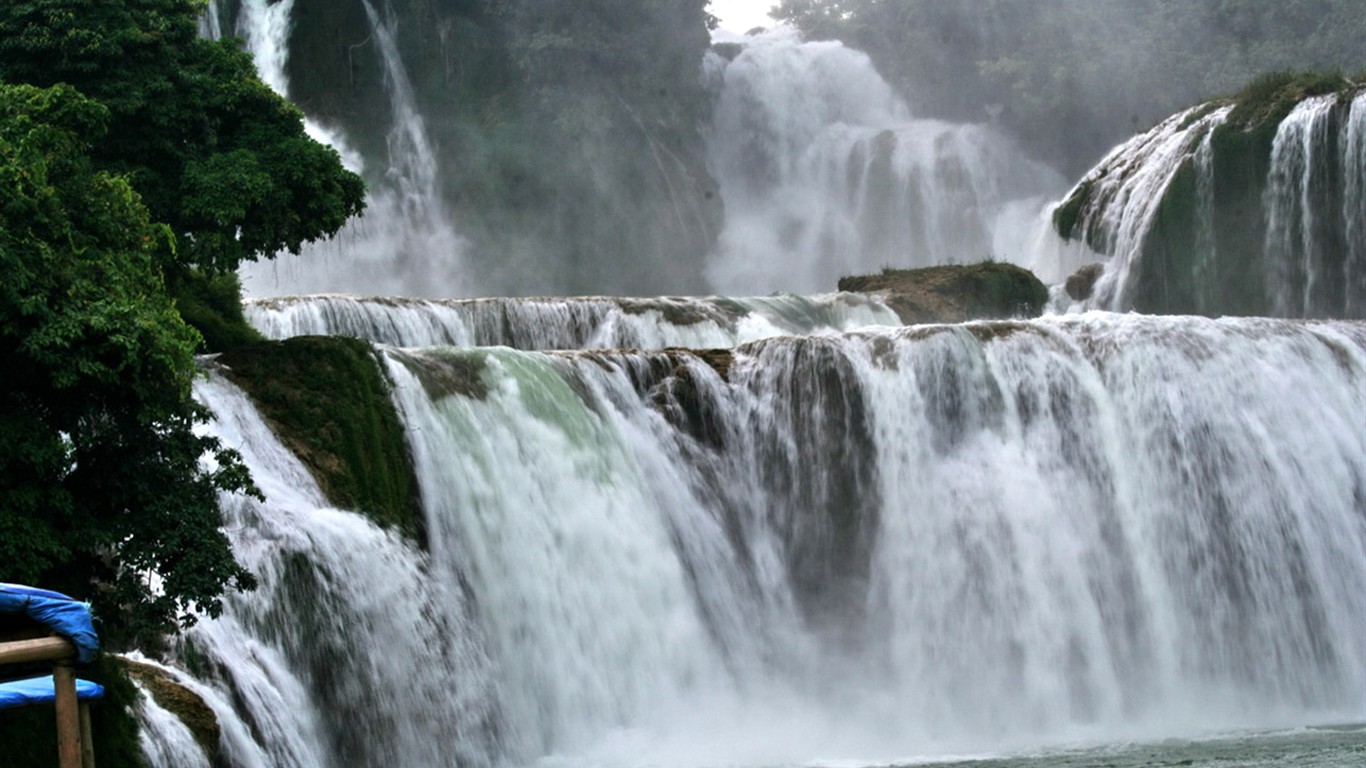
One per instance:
(38, 690)
(59, 613)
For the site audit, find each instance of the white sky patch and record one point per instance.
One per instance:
(740, 16)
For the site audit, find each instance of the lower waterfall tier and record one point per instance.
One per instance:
(866, 547)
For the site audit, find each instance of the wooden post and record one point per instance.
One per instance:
(87, 738)
(68, 715)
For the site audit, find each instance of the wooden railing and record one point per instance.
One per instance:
(74, 743)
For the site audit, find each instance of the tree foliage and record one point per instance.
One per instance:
(100, 474)
(1075, 77)
(215, 154)
(138, 163)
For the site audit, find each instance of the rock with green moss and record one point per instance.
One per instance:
(955, 293)
(1241, 206)
(187, 706)
(328, 400)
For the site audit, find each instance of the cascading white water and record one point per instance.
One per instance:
(598, 628)
(1205, 270)
(1301, 161)
(825, 173)
(265, 27)
(164, 740)
(1354, 206)
(577, 323)
(870, 547)
(404, 243)
(1297, 251)
(350, 652)
(209, 26)
(1126, 191)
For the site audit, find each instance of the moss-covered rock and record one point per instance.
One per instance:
(328, 400)
(1262, 104)
(446, 372)
(955, 293)
(1066, 215)
(186, 705)
(1205, 249)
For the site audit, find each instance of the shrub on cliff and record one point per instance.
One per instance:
(100, 475)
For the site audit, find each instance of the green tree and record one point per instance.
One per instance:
(215, 154)
(101, 481)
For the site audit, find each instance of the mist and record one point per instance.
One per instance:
(539, 148)
(1073, 78)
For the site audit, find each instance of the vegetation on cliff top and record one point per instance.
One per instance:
(1267, 100)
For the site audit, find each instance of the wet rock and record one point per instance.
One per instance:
(955, 293)
(1082, 282)
(180, 701)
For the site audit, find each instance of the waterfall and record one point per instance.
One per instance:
(1206, 269)
(1301, 165)
(1354, 207)
(209, 26)
(825, 173)
(164, 740)
(404, 243)
(265, 28)
(1192, 219)
(578, 323)
(1125, 192)
(350, 652)
(872, 547)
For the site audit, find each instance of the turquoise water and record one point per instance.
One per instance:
(1324, 747)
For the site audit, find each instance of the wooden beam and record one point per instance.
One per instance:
(40, 649)
(68, 716)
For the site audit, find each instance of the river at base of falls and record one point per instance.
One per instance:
(1314, 747)
(1323, 746)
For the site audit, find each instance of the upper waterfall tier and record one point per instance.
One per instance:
(511, 148)
(825, 172)
(566, 323)
(1249, 207)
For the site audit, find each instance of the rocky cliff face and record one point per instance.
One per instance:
(1246, 206)
(567, 138)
